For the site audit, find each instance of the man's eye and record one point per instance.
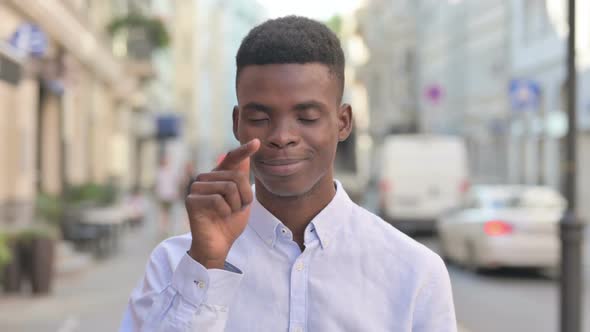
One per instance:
(258, 119)
(307, 120)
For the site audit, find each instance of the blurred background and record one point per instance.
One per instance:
(107, 108)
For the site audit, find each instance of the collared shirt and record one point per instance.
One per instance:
(356, 273)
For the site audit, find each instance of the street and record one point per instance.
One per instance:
(505, 300)
(94, 299)
(508, 300)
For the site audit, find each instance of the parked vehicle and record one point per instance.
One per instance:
(504, 226)
(420, 178)
(351, 166)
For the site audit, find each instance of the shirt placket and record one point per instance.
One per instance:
(298, 296)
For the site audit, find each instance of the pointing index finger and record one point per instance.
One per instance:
(239, 158)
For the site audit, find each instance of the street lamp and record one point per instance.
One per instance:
(571, 228)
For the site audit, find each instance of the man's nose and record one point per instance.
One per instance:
(283, 134)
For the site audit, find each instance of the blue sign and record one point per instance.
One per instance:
(167, 126)
(524, 94)
(29, 39)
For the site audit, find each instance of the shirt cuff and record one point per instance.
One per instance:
(197, 285)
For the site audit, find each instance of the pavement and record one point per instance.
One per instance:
(88, 295)
(91, 299)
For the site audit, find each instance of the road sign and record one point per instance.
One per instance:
(29, 39)
(524, 94)
(167, 126)
(434, 93)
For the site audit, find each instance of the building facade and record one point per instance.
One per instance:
(464, 64)
(62, 110)
(208, 34)
(469, 56)
(538, 53)
(389, 29)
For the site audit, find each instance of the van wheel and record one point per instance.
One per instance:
(552, 273)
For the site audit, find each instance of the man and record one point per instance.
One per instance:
(293, 252)
(166, 192)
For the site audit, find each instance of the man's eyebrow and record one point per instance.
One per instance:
(257, 107)
(309, 104)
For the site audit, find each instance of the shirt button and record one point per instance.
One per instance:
(299, 266)
(283, 230)
(201, 284)
(298, 329)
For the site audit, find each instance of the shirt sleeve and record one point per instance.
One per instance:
(434, 310)
(187, 298)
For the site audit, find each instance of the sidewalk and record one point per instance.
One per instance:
(92, 298)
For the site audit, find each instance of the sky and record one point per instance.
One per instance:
(317, 9)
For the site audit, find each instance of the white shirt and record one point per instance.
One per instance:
(357, 273)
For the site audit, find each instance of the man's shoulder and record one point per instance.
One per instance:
(389, 242)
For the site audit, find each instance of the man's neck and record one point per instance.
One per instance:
(297, 212)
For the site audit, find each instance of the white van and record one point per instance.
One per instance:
(420, 178)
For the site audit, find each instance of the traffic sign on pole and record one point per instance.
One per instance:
(29, 39)
(524, 94)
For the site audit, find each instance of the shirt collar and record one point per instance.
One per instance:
(325, 224)
(264, 223)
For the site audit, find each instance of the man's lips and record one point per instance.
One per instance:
(280, 167)
(279, 162)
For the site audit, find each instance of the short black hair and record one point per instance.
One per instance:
(292, 39)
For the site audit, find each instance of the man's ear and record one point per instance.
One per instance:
(344, 122)
(236, 117)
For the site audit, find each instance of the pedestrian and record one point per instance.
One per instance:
(292, 252)
(166, 193)
(184, 189)
(187, 179)
(135, 207)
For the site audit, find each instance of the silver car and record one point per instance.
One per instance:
(504, 226)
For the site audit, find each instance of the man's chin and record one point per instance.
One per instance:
(285, 188)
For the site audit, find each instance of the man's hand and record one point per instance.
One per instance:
(218, 206)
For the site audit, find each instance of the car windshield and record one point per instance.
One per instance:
(511, 199)
(501, 202)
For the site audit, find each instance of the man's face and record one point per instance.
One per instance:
(295, 111)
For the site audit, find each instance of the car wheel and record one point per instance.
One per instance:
(471, 262)
(444, 251)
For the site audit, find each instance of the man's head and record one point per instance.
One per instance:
(289, 82)
(292, 39)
